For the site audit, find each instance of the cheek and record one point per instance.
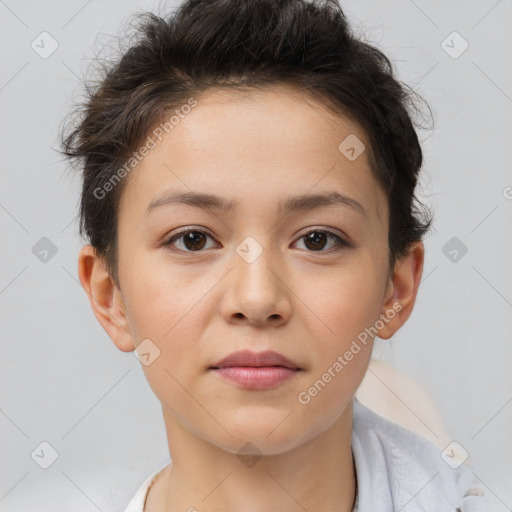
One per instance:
(343, 305)
(158, 296)
(160, 308)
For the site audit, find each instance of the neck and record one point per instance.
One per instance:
(316, 475)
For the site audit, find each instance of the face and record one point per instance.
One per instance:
(304, 282)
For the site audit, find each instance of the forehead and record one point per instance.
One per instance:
(258, 144)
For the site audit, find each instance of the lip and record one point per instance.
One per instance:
(247, 358)
(256, 371)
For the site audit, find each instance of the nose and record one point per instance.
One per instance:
(257, 292)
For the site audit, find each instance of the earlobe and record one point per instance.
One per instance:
(104, 297)
(402, 290)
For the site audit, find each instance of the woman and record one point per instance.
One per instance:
(249, 170)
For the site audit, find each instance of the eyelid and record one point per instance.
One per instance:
(176, 236)
(343, 240)
(335, 232)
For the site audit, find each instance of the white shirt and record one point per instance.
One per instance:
(397, 471)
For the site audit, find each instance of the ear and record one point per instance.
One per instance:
(105, 298)
(401, 291)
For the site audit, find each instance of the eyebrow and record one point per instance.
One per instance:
(305, 202)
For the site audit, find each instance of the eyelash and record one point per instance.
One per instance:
(342, 243)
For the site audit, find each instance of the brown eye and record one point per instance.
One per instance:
(193, 240)
(317, 240)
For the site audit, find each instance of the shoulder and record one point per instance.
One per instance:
(406, 471)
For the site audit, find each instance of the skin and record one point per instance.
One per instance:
(304, 301)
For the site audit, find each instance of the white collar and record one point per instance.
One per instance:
(397, 470)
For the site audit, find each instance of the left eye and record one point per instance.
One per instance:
(195, 240)
(316, 240)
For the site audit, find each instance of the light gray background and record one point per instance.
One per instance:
(62, 379)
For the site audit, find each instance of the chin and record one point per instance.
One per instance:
(263, 437)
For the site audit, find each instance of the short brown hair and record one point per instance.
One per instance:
(245, 44)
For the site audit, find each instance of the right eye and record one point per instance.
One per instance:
(192, 240)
